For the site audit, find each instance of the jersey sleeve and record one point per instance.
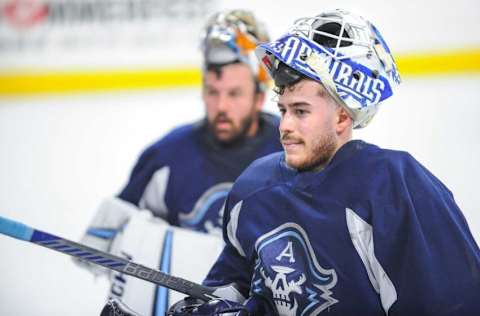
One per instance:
(416, 246)
(148, 183)
(235, 266)
(232, 269)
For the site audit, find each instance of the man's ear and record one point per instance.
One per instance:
(344, 121)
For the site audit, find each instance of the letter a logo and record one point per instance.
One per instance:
(287, 252)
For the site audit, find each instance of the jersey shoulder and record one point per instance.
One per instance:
(403, 165)
(179, 142)
(260, 174)
(175, 138)
(397, 168)
(370, 156)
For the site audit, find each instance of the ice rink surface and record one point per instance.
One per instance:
(60, 156)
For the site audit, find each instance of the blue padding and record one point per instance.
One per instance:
(161, 300)
(104, 233)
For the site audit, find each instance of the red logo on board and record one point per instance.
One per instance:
(25, 13)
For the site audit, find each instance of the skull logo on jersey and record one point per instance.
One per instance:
(287, 270)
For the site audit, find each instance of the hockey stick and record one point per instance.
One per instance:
(23, 232)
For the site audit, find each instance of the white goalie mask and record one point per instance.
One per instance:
(344, 52)
(232, 36)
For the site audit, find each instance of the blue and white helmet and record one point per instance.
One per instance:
(343, 51)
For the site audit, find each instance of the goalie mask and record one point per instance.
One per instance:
(344, 52)
(232, 36)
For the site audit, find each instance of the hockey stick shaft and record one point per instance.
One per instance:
(23, 232)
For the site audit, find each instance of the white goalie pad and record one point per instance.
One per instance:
(111, 217)
(154, 243)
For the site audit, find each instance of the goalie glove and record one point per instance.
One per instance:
(112, 215)
(218, 307)
(117, 308)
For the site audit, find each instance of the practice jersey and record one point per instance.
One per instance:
(185, 176)
(373, 233)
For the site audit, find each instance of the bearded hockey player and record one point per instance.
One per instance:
(183, 178)
(332, 225)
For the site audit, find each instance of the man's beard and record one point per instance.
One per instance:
(320, 154)
(237, 134)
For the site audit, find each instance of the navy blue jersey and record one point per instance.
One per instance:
(185, 176)
(373, 233)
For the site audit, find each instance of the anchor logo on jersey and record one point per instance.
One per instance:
(208, 210)
(287, 270)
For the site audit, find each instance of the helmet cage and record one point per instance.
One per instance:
(306, 27)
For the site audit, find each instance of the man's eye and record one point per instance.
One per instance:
(300, 112)
(235, 93)
(212, 92)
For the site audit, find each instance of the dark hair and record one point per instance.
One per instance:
(284, 77)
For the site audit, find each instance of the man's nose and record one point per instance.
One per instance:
(224, 103)
(286, 123)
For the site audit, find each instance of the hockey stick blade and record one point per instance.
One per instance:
(23, 232)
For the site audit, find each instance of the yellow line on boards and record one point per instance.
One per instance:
(47, 82)
(465, 61)
(91, 81)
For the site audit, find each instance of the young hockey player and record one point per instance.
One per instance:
(333, 225)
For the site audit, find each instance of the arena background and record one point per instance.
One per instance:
(85, 85)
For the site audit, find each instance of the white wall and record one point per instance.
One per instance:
(60, 155)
